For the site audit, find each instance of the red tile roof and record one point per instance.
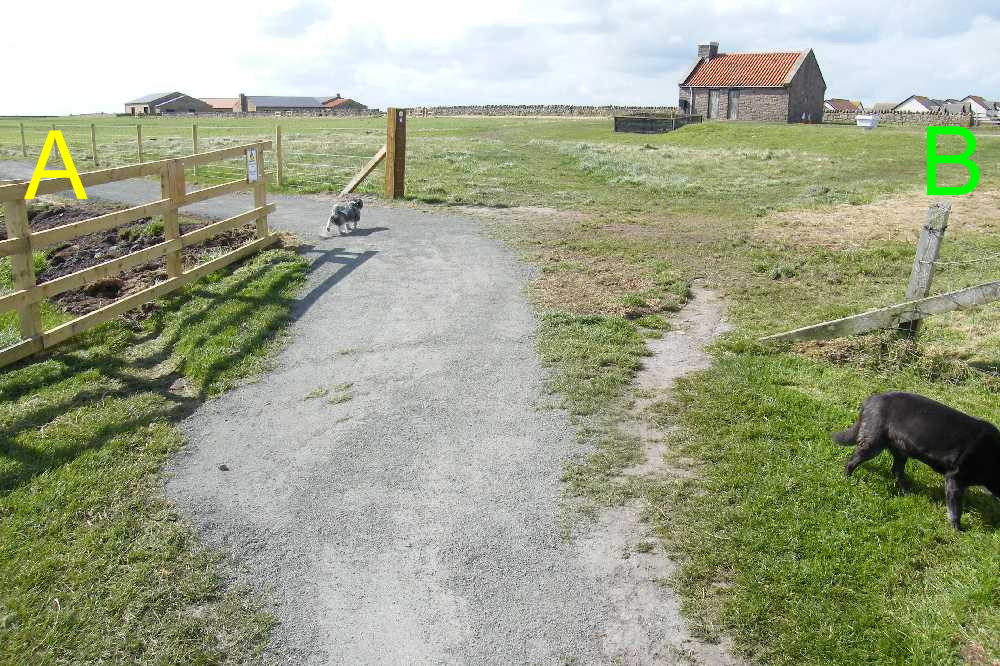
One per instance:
(744, 69)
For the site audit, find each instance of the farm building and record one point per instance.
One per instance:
(221, 104)
(165, 103)
(279, 104)
(847, 105)
(779, 86)
(340, 104)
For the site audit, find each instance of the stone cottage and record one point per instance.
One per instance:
(779, 86)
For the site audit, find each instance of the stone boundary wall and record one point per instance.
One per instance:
(902, 118)
(536, 110)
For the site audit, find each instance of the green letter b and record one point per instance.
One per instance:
(933, 159)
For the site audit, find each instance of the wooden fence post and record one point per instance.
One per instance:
(194, 145)
(928, 248)
(279, 156)
(138, 140)
(23, 270)
(93, 142)
(260, 193)
(24, 144)
(172, 187)
(395, 155)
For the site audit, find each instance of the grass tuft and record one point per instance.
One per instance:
(593, 358)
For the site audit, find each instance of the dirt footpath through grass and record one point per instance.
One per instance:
(393, 483)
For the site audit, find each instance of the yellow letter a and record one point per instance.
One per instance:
(55, 136)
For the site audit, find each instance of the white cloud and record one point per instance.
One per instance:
(79, 57)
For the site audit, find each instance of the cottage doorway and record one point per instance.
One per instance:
(713, 103)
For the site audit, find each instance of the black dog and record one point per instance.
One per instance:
(345, 215)
(963, 448)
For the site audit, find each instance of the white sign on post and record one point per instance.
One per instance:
(251, 165)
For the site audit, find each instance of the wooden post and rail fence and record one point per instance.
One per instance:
(907, 316)
(394, 154)
(22, 241)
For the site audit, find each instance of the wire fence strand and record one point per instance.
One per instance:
(318, 156)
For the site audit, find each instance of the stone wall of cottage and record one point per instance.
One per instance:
(806, 92)
(760, 104)
(763, 104)
(903, 118)
(535, 110)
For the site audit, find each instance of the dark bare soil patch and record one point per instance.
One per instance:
(93, 249)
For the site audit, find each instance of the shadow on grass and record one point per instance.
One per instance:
(117, 379)
(977, 499)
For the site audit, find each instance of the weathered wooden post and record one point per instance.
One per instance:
(138, 140)
(279, 157)
(172, 187)
(256, 176)
(23, 270)
(395, 156)
(93, 142)
(194, 145)
(928, 249)
(24, 144)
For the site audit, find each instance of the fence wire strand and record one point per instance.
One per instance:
(311, 158)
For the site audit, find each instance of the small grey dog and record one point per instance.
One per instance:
(346, 216)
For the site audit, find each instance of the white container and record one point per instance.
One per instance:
(869, 122)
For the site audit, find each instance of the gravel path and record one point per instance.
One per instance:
(415, 522)
(393, 483)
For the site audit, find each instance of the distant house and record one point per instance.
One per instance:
(221, 104)
(165, 103)
(340, 104)
(920, 104)
(846, 105)
(982, 107)
(883, 107)
(779, 86)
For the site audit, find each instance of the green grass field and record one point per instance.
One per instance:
(95, 567)
(794, 224)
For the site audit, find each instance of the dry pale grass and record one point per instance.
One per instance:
(520, 215)
(585, 284)
(895, 218)
(572, 281)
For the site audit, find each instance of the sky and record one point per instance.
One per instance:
(83, 57)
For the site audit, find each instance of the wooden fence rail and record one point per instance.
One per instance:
(285, 157)
(21, 242)
(919, 305)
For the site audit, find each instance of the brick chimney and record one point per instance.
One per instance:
(708, 51)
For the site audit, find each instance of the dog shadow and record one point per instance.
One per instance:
(977, 499)
(366, 231)
(343, 261)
